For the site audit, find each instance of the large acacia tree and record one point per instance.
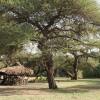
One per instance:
(50, 19)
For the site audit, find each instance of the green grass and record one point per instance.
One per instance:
(87, 89)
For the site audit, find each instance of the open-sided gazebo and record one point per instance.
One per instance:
(15, 75)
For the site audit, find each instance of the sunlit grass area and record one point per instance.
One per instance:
(84, 89)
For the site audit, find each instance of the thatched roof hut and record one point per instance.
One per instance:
(17, 70)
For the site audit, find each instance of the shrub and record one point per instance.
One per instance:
(97, 71)
(88, 72)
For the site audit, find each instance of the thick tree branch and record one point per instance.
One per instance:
(65, 36)
(52, 19)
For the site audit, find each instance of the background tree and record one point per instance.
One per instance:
(12, 39)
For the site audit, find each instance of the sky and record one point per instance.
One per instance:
(98, 1)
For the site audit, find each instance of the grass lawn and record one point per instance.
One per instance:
(85, 89)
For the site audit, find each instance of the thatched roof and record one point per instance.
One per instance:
(17, 70)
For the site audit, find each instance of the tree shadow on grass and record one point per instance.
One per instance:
(42, 91)
(34, 89)
(20, 91)
(79, 88)
(79, 80)
(75, 89)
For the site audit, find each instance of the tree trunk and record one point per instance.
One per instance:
(48, 63)
(50, 77)
(75, 69)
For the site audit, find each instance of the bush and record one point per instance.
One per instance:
(97, 71)
(88, 72)
(91, 72)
